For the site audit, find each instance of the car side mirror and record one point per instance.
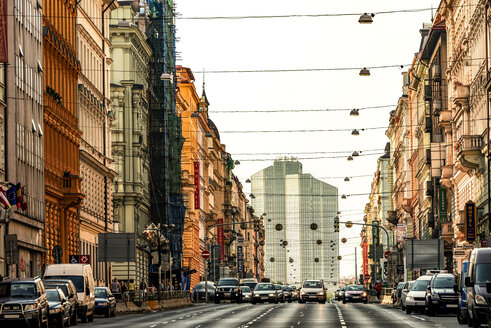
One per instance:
(488, 287)
(467, 282)
(455, 288)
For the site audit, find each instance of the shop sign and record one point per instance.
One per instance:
(443, 205)
(197, 199)
(470, 221)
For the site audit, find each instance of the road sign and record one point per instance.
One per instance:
(73, 259)
(205, 254)
(79, 259)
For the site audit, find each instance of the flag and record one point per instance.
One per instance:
(23, 204)
(12, 195)
(18, 195)
(3, 198)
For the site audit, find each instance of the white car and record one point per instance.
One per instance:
(405, 290)
(415, 299)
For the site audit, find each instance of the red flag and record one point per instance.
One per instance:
(3, 198)
(23, 206)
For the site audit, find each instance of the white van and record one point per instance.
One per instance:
(83, 279)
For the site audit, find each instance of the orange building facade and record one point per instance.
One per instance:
(62, 136)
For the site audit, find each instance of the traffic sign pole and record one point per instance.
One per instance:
(205, 254)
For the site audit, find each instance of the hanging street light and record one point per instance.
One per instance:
(354, 112)
(355, 153)
(343, 197)
(346, 179)
(364, 72)
(366, 18)
(355, 132)
(350, 158)
(248, 181)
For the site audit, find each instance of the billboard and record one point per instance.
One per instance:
(220, 238)
(3, 32)
(197, 200)
(424, 254)
(116, 247)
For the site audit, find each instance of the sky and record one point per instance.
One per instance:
(303, 43)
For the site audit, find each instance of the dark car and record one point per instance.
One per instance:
(265, 292)
(198, 292)
(228, 289)
(355, 293)
(338, 295)
(105, 302)
(23, 300)
(462, 310)
(68, 288)
(59, 308)
(287, 293)
(281, 293)
(440, 294)
(478, 286)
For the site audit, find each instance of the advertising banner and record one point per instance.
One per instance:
(197, 200)
(443, 205)
(365, 258)
(3, 32)
(220, 238)
(240, 259)
(470, 221)
(401, 232)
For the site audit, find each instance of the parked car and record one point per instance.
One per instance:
(105, 302)
(24, 301)
(338, 295)
(462, 309)
(313, 290)
(478, 286)
(355, 293)
(396, 292)
(59, 307)
(246, 293)
(405, 290)
(228, 289)
(68, 288)
(83, 279)
(415, 299)
(265, 292)
(441, 294)
(199, 293)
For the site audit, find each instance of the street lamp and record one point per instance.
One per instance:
(350, 158)
(355, 132)
(346, 179)
(364, 72)
(166, 77)
(366, 18)
(354, 112)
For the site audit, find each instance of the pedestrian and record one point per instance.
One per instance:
(143, 289)
(115, 288)
(124, 288)
(132, 289)
(378, 288)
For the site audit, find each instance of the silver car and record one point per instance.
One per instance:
(405, 290)
(246, 294)
(416, 298)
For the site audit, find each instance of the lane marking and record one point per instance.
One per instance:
(419, 318)
(153, 326)
(340, 316)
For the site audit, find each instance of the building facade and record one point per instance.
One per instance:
(96, 172)
(129, 131)
(301, 242)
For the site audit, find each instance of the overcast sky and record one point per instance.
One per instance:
(294, 43)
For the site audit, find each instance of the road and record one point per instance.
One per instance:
(336, 315)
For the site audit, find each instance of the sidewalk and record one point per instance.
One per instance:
(149, 306)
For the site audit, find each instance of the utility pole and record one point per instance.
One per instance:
(356, 268)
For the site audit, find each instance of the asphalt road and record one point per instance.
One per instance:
(336, 315)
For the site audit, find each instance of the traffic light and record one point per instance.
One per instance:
(336, 224)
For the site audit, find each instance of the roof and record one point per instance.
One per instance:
(214, 128)
(430, 43)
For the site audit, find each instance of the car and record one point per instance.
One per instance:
(396, 292)
(250, 282)
(59, 307)
(312, 290)
(405, 290)
(24, 300)
(228, 289)
(287, 293)
(265, 292)
(199, 292)
(281, 294)
(478, 286)
(355, 293)
(294, 292)
(338, 295)
(246, 293)
(68, 288)
(105, 302)
(441, 294)
(415, 299)
(462, 309)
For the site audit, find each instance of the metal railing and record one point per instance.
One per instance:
(139, 296)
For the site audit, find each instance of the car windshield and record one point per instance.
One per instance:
(53, 295)
(18, 289)
(444, 282)
(228, 282)
(264, 287)
(284, 288)
(251, 285)
(100, 293)
(245, 289)
(78, 281)
(312, 284)
(354, 288)
(201, 285)
(420, 285)
(483, 273)
(63, 288)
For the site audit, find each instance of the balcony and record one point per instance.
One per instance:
(447, 174)
(469, 151)
(392, 217)
(72, 190)
(445, 119)
(447, 231)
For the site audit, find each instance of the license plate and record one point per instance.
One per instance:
(227, 294)
(451, 305)
(11, 316)
(264, 297)
(356, 296)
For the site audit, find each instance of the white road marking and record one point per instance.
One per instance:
(340, 316)
(419, 318)
(153, 326)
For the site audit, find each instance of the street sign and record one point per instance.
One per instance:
(470, 221)
(79, 259)
(205, 254)
(73, 259)
(240, 259)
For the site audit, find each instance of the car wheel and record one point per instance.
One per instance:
(365, 302)
(276, 301)
(403, 308)
(84, 317)
(476, 323)
(107, 313)
(253, 302)
(408, 310)
(61, 321)
(73, 318)
(113, 313)
(344, 300)
(469, 321)
(217, 300)
(460, 317)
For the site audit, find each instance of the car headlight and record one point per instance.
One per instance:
(320, 293)
(303, 293)
(480, 300)
(55, 310)
(435, 296)
(364, 294)
(409, 298)
(30, 307)
(271, 295)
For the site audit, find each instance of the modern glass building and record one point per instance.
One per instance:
(300, 239)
